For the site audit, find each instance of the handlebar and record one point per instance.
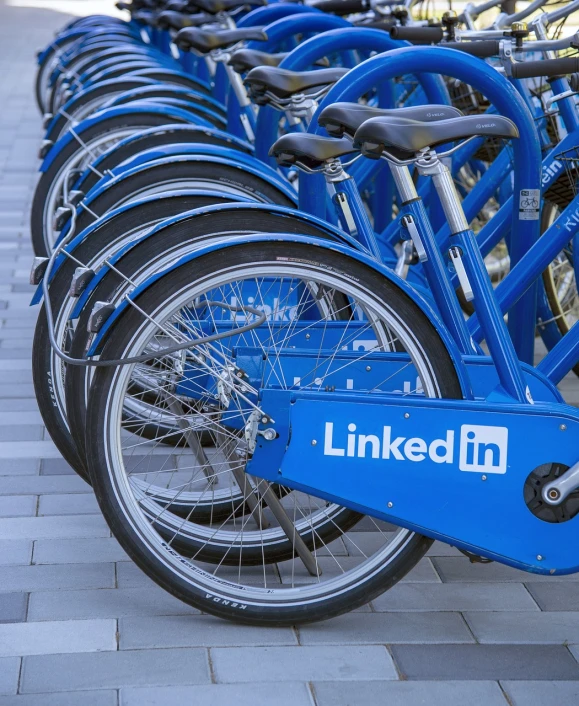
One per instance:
(483, 49)
(547, 67)
(342, 7)
(422, 35)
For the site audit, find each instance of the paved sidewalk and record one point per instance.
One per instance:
(79, 624)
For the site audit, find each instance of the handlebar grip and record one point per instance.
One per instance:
(419, 35)
(342, 7)
(483, 49)
(547, 67)
(574, 82)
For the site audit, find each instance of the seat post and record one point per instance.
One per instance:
(474, 279)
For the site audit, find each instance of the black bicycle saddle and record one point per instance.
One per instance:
(345, 118)
(216, 6)
(284, 83)
(403, 138)
(243, 60)
(310, 150)
(204, 41)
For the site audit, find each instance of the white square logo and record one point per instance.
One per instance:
(483, 449)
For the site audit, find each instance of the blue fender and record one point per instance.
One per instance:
(241, 204)
(341, 247)
(70, 104)
(172, 114)
(92, 230)
(177, 129)
(163, 152)
(150, 86)
(249, 164)
(199, 113)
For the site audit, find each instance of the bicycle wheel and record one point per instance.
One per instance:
(97, 139)
(291, 283)
(49, 372)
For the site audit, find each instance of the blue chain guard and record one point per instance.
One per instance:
(438, 467)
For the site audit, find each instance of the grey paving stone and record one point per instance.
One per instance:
(219, 695)
(42, 485)
(105, 603)
(71, 636)
(460, 569)
(551, 595)
(542, 693)
(53, 527)
(110, 670)
(13, 607)
(33, 449)
(9, 673)
(574, 649)
(484, 662)
(456, 597)
(17, 505)
(525, 628)
(8, 390)
(197, 631)
(408, 693)
(32, 432)
(18, 418)
(78, 551)
(18, 551)
(85, 698)
(52, 577)
(56, 467)
(19, 466)
(387, 628)
(282, 664)
(63, 504)
(130, 576)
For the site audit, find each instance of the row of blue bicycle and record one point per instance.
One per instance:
(295, 263)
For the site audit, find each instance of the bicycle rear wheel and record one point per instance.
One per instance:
(261, 577)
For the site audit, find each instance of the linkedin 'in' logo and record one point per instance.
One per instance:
(483, 449)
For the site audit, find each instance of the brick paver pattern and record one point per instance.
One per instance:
(80, 624)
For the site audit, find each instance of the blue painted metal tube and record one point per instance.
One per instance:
(477, 198)
(492, 322)
(526, 149)
(530, 267)
(439, 281)
(297, 24)
(270, 13)
(567, 106)
(365, 232)
(561, 359)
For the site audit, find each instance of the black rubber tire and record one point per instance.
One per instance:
(155, 564)
(156, 174)
(191, 229)
(110, 231)
(137, 121)
(162, 136)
